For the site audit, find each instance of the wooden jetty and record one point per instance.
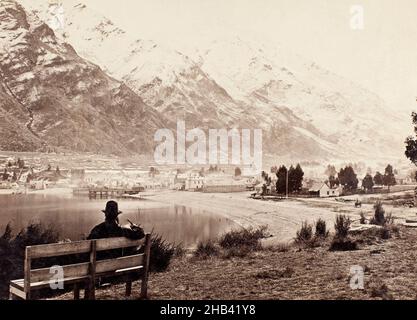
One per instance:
(107, 192)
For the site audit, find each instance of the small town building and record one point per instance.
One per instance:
(323, 190)
(259, 187)
(224, 184)
(194, 182)
(5, 185)
(251, 183)
(77, 175)
(404, 180)
(38, 185)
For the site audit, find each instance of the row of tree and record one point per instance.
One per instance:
(288, 179)
(347, 178)
(387, 179)
(19, 163)
(5, 176)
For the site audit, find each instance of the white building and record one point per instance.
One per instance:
(38, 185)
(224, 184)
(194, 182)
(323, 190)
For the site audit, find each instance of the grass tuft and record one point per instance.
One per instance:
(206, 250)
(321, 229)
(379, 218)
(161, 254)
(342, 226)
(249, 238)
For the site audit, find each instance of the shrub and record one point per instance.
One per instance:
(343, 244)
(249, 238)
(206, 250)
(363, 219)
(385, 233)
(161, 254)
(305, 234)
(389, 219)
(321, 229)
(180, 252)
(12, 251)
(342, 226)
(36, 234)
(379, 218)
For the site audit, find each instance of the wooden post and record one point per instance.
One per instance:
(128, 288)
(76, 291)
(91, 294)
(27, 266)
(144, 286)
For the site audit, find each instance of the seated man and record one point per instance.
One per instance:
(110, 228)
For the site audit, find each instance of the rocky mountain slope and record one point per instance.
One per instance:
(306, 112)
(266, 76)
(177, 86)
(52, 98)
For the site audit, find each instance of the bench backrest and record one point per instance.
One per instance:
(90, 268)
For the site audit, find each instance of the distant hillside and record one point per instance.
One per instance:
(54, 99)
(305, 111)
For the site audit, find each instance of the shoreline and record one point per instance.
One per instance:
(50, 191)
(283, 218)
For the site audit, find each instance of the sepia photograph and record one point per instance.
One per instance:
(208, 150)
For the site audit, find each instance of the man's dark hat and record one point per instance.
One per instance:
(112, 209)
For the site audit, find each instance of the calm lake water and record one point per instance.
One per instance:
(74, 217)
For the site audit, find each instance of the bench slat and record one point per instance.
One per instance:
(73, 270)
(59, 249)
(18, 292)
(119, 263)
(79, 247)
(18, 284)
(82, 269)
(117, 243)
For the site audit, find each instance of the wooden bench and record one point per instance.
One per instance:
(85, 274)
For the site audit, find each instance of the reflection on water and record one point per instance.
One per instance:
(74, 217)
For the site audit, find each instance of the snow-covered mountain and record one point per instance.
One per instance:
(177, 86)
(52, 98)
(166, 79)
(306, 112)
(267, 76)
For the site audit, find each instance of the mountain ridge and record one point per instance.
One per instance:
(64, 101)
(304, 110)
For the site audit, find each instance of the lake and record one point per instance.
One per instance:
(75, 216)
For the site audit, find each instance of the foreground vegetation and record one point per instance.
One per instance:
(242, 264)
(317, 265)
(290, 272)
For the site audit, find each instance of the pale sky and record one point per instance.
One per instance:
(382, 57)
